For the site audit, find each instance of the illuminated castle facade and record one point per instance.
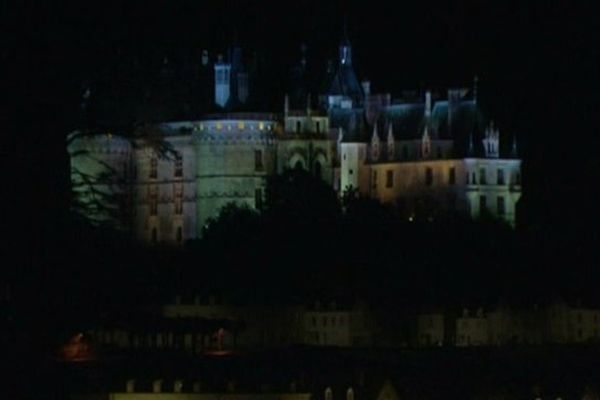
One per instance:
(425, 153)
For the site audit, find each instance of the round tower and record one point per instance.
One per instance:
(235, 154)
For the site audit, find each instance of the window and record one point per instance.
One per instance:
(500, 177)
(389, 181)
(261, 125)
(452, 176)
(473, 179)
(219, 126)
(482, 180)
(482, 203)
(153, 168)
(298, 126)
(258, 197)
(179, 235)
(241, 126)
(258, 160)
(318, 125)
(501, 206)
(428, 176)
(178, 166)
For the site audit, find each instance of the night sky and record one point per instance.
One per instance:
(537, 65)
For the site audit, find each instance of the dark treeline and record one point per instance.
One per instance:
(304, 246)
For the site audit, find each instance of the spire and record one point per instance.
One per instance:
(375, 143)
(390, 142)
(345, 47)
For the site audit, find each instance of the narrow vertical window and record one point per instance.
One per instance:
(375, 179)
(482, 177)
(298, 126)
(318, 125)
(153, 168)
(258, 160)
(178, 198)
(500, 176)
(178, 166)
(451, 176)
(389, 181)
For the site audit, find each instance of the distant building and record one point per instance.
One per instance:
(555, 323)
(425, 153)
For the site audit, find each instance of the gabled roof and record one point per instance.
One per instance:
(345, 83)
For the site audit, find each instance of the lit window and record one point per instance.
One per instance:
(201, 127)
(228, 127)
(261, 125)
(241, 126)
(219, 126)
